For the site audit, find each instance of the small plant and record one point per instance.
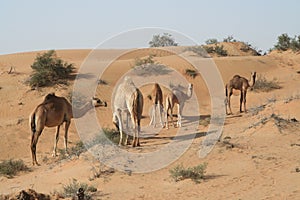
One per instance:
(10, 168)
(195, 173)
(198, 50)
(48, 70)
(78, 149)
(191, 72)
(102, 82)
(219, 50)
(285, 42)
(211, 41)
(70, 190)
(143, 61)
(209, 49)
(162, 40)
(229, 39)
(264, 85)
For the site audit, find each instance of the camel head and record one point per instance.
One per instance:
(97, 102)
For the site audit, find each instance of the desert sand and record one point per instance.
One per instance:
(255, 158)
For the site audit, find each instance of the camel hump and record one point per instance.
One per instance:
(49, 96)
(236, 76)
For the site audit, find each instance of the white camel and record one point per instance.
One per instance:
(129, 100)
(177, 97)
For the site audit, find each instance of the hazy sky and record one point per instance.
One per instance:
(72, 24)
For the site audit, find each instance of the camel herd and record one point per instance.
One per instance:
(54, 110)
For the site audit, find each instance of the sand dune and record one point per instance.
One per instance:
(258, 162)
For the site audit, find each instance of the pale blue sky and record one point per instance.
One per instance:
(73, 24)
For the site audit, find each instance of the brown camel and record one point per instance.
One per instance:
(242, 84)
(129, 100)
(177, 97)
(54, 111)
(157, 100)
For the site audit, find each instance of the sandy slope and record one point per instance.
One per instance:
(258, 163)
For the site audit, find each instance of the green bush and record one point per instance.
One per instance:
(49, 70)
(143, 61)
(12, 167)
(285, 42)
(219, 50)
(199, 50)
(70, 190)
(195, 173)
(264, 85)
(191, 72)
(162, 40)
(211, 41)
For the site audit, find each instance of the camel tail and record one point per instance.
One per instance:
(32, 123)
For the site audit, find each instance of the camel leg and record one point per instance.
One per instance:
(120, 127)
(138, 132)
(241, 101)
(160, 108)
(56, 141)
(34, 140)
(134, 141)
(179, 107)
(152, 114)
(228, 101)
(67, 125)
(245, 109)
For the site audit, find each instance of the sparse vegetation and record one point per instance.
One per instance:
(285, 42)
(191, 72)
(49, 70)
(198, 50)
(264, 85)
(151, 70)
(10, 168)
(162, 40)
(217, 49)
(229, 39)
(102, 82)
(211, 41)
(144, 61)
(71, 189)
(195, 173)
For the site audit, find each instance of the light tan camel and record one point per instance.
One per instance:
(157, 100)
(242, 84)
(129, 100)
(177, 97)
(54, 111)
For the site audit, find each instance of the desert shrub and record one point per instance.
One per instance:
(198, 50)
(12, 167)
(283, 42)
(151, 70)
(70, 189)
(143, 61)
(48, 69)
(102, 82)
(211, 41)
(264, 85)
(162, 40)
(209, 49)
(191, 72)
(219, 50)
(195, 173)
(229, 39)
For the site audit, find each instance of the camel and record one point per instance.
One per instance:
(177, 97)
(157, 100)
(54, 111)
(129, 100)
(242, 84)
